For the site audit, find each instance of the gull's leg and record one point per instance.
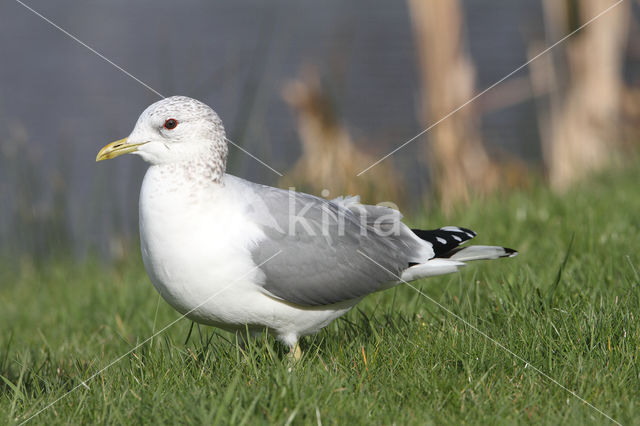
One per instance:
(294, 356)
(242, 339)
(245, 336)
(295, 353)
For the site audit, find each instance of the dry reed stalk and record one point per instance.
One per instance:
(330, 159)
(457, 158)
(585, 111)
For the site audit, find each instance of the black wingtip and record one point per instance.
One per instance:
(508, 252)
(468, 231)
(445, 239)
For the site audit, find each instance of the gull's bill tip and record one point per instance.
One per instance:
(116, 149)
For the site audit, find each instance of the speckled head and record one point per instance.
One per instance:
(175, 130)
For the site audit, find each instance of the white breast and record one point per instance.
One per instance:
(196, 243)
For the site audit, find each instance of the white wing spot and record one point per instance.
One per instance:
(451, 229)
(455, 237)
(441, 240)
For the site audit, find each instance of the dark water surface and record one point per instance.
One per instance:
(66, 102)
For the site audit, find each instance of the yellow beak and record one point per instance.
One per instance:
(116, 149)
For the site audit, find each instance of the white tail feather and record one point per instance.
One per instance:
(481, 253)
(431, 268)
(441, 266)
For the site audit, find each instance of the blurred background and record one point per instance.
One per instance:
(319, 91)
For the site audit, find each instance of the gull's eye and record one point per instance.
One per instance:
(170, 124)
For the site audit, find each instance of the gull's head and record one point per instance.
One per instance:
(175, 129)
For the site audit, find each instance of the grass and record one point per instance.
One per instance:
(396, 358)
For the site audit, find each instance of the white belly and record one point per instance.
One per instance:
(198, 258)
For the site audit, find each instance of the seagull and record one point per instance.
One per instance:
(240, 256)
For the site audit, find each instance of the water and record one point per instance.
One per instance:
(235, 56)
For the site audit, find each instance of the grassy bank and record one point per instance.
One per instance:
(398, 357)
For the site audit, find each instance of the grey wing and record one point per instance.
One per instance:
(324, 254)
